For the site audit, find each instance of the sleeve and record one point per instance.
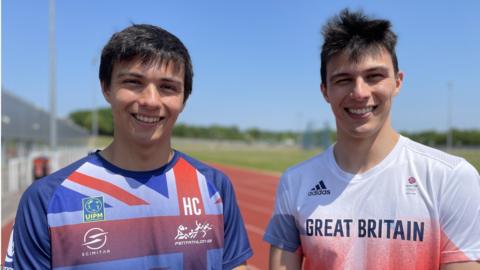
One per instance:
(460, 215)
(31, 238)
(236, 246)
(282, 231)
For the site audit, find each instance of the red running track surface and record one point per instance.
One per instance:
(6, 230)
(255, 193)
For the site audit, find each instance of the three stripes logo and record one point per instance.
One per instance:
(319, 189)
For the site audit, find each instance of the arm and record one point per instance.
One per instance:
(30, 236)
(459, 215)
(281, 259)
(243, 266)
(461, 266)
(236, 246)
(282, 232)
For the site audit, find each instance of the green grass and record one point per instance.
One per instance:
(472, 156)
(99, 142)
(260, 157)
(275, 160)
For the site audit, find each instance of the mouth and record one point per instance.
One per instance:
(147, 119)
(361, 111)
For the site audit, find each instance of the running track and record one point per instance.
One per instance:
(255, 195)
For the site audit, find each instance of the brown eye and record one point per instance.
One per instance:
(131, 82)
(169, 88)
(342, 81)
(375, 77)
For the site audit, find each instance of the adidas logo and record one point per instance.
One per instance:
(319, 189)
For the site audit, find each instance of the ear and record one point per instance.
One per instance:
(398, 82)
(323, 88)
(106, 92)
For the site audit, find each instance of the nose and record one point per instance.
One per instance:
(360, 89)
(150, 97)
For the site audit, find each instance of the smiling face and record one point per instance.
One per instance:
(361, 93)
(146, 101)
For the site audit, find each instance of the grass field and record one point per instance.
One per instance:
(473, 156)
(261, 156)
(275, 160)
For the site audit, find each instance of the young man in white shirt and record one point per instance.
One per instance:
(375, 199)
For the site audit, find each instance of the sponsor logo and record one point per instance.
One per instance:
(319, 189)
(93, 209)
(412, 186)
(412, 180)
(95, 239)
(193, 236)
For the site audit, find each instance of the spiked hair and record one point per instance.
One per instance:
(356, 34)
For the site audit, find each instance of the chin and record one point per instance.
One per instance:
(145, 139)
(360, 132)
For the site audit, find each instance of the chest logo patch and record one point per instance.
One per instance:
(319, 189)
(412, 186)
(93, 209)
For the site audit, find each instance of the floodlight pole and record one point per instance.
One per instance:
(52, 53)
(449, 116)
(94, 109)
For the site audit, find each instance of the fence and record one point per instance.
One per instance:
(17, 173)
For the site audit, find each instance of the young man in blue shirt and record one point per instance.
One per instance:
(137, 204)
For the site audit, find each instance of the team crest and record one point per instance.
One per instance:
(93, 209)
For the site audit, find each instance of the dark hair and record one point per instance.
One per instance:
(152, 45)
(356, 34)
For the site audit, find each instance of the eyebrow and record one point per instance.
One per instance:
(373, 69)
(140, 75)
(379, 68)
(128, 73)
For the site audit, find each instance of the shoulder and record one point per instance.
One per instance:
(308, 167)
(41, 191)
(435, 161)
(423, 153)
(301, 176)
(444, 169)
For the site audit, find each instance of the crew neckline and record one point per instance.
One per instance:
(99, 160)
(350, 177)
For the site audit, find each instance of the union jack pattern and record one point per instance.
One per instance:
(171, 218)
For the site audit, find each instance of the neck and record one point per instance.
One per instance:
(134, 157)
(358, 155)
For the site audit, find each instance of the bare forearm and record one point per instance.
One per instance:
(284, 260)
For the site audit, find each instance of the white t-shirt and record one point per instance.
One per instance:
(416, 209)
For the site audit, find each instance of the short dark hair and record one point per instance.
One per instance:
(356, 34)
(151, 44)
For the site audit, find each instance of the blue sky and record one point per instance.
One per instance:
(256, 63)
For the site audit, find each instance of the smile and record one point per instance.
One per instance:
(147, 119)
(361, 111)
